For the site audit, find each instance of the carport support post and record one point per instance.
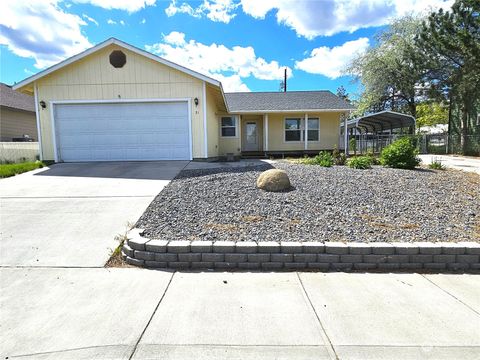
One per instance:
(345, 134)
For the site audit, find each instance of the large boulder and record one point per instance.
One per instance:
(273, 180)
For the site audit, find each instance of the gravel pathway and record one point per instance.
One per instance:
(326, 204)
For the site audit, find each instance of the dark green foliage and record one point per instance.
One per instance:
(450, 41)
(400, 154)
(360, 162)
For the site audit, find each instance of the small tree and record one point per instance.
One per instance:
(391, 70)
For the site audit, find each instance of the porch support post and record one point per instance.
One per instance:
(306, 131)
(265, 132)
(345, 131)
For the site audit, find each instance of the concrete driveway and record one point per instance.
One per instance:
(465, 163)
(69, 214)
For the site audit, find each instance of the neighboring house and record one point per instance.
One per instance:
(17, 115)
(117, 102)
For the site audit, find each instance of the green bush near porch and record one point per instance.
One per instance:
(360, 162)
(401, 154)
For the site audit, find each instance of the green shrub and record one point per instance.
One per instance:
(324, 159)
(7, 170)
(436, 165)
(400, 154)
(360, 162)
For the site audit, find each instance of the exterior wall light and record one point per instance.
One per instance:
(43, 105)
(195, 101)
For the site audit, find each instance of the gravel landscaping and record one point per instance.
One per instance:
(326, 204)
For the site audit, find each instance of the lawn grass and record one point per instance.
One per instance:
(7, 170)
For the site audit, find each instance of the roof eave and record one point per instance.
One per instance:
(237, 112)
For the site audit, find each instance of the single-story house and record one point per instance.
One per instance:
(17, 115)
(117, 102)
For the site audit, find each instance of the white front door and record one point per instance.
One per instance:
(122, 131)
(250, 131)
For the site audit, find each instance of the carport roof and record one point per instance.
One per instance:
(380, 121)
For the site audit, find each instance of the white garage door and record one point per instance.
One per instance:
(122, 131)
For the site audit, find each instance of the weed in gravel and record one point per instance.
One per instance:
(436, 165)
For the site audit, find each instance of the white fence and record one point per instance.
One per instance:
(18, 151)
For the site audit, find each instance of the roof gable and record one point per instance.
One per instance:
(121, 44)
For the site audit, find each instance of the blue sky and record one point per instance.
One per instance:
(246, 44)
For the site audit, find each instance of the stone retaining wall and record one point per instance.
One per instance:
(278, 256)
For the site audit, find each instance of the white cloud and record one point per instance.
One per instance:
(92, 20)
(232, 83)
(41, 30)
(312, 18)
(174, 38)
(327, 17)
(215, 10)
(143, 21)
(111, 22)
(122, 22)
(228, 65)
(126, 5)
(332, 61)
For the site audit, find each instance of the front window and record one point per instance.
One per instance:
(313, 129)
(293, 129)
(229, 126)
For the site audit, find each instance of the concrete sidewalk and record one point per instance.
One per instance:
(130, 313)
(464, 163)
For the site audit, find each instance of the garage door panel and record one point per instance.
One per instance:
(123, 131)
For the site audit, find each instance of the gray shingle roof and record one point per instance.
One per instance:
(285, 101)
(15, 100)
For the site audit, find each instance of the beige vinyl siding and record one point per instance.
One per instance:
(16, 123)
(229, 145)
(329, 132)
(212, 125)
(94, 78)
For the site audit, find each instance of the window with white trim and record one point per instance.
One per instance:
(293, 129)
(313, 129)
(228, 126)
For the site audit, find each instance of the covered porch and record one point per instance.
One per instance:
(274, 134)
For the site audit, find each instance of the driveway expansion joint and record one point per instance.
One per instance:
(328, 256)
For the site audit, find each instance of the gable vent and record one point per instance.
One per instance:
(118, 59)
